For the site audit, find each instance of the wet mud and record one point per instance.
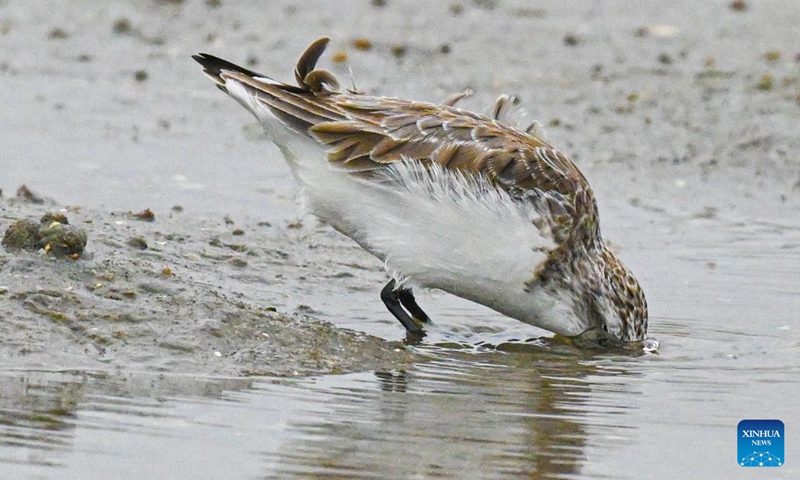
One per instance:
(160, 294)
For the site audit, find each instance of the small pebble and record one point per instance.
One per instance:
(665, 59)
(362, 43)
(25, 194)
(51, 217)
(765, 84)
(122, 26)
(399, 51)
(58, 34)
(238, 262)
(62, 240)
(145, 215)
(21, 235)
(138, 243)
(738, 6)
(571, 40)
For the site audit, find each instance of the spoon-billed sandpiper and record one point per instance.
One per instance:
(449, 200)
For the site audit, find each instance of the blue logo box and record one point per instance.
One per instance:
(761, 443)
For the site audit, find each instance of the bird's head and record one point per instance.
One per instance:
(615, 302)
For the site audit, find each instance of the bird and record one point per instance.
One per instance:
(473, 205)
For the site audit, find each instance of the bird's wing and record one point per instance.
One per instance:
(365, 134)
(378, 131)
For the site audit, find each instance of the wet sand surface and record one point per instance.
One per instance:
(233, 337)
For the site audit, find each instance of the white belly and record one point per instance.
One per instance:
(438, 229)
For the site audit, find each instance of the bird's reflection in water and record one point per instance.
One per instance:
(467, 413)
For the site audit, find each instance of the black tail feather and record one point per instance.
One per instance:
(213, 66)
(293, 105)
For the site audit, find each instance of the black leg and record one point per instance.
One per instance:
(391, 298)
(407, 299)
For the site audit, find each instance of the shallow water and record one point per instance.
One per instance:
(729, 351)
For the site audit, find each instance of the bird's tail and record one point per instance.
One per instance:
(298, 107)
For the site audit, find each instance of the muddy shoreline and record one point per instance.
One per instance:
(162, 296)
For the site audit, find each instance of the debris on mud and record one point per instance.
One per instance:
(145, 215)
(122, 26)
(738, 6)
(22, 235)
(25, 194)
(138, 243)
(362, 43)
(53, 234)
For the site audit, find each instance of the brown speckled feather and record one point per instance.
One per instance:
(364, 133)
(378, 131)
